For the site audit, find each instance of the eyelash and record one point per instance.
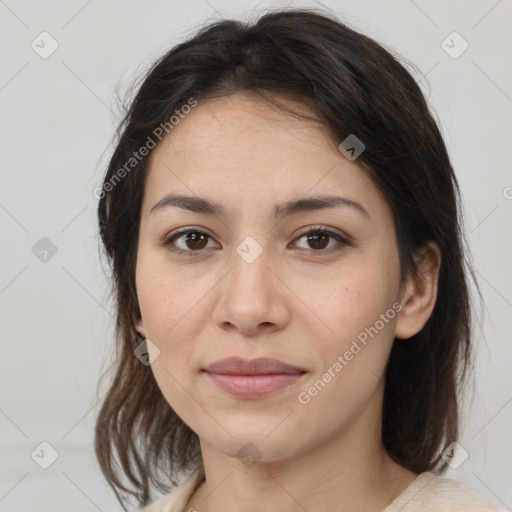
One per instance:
(343, 241)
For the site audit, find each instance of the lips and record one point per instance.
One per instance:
(260, 366)
(254, 378)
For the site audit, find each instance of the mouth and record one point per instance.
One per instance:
(253, 378)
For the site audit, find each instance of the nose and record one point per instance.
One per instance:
(253, 300)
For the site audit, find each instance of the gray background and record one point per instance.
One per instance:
(57, 118)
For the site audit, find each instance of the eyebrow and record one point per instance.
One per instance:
(293, 207)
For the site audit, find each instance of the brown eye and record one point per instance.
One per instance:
(196, 241)
(318, 240)
(321, 240)
(187, 241)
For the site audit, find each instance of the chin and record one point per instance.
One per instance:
(251, 447)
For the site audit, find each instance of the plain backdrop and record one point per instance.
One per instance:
(58, 115)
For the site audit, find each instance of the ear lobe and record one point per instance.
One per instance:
(139, 327)
(420, 294)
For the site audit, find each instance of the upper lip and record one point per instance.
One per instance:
(259, 366)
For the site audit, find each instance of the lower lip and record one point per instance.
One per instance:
(254, 386)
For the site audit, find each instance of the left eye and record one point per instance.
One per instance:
(320, 240)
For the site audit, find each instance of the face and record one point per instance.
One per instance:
(240, 281)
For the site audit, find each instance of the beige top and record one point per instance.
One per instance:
(427, 493)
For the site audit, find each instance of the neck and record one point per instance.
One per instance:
(349, 472)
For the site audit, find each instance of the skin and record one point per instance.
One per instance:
(291, 303)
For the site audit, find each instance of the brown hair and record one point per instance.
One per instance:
(354, 86)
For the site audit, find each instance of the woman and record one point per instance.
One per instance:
(293, 319)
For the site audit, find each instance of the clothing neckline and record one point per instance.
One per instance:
(197, 477)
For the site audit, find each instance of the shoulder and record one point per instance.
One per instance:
(178, 498)
(430, 492)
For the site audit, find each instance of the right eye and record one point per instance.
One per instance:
(187, 241)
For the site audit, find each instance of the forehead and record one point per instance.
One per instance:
(234, 121)
(241, 148)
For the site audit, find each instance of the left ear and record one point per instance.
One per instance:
(419, 297)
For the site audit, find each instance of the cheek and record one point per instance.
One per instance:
(171, 309)
(351, 299)
(170, 304)
(352, 363)
(358, 319)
